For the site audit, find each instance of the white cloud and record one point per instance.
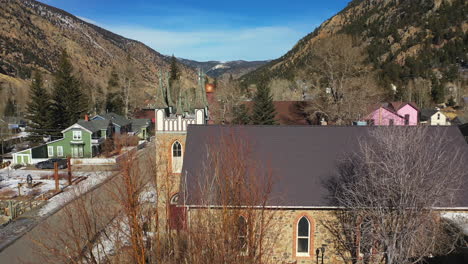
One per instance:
(256, 43)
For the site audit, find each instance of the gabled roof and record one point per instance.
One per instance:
(115, 118)
(302, 158)
(385, 107)
(427, 113)
(90, 126)
(398, 105)
(138, 124)
(391, 107)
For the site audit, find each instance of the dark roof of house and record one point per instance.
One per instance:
(287, 112)
(427, 113)
(94, 125)
(138, 124)
(302, 158)
(398, 105)
(115, 118)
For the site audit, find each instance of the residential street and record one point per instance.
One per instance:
(25, 250)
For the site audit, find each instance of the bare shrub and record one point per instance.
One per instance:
(127, 191)
(74, 232)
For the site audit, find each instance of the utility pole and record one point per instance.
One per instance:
(56, 177)
(69, 171)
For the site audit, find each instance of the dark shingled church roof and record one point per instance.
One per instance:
(302, 158)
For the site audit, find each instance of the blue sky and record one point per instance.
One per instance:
(208, 30)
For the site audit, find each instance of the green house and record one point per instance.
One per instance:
(81, 140)
(141, 128)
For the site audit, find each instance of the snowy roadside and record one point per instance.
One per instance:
(58, 201)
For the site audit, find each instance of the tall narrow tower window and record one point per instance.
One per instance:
(176, 157)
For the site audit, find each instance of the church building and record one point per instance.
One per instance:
(175, 109)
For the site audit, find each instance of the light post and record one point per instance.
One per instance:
(317, 253)
(323, 252)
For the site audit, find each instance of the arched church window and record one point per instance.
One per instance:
(242, 233)
(176, 149)
(176, 157)
(303, 237)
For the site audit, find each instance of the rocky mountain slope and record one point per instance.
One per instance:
(403, 40)
(223, 70)
(32, 36)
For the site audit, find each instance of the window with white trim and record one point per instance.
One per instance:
(50, 151)
(77, 135)
(59, 151)
(303, 237)
(176, 157)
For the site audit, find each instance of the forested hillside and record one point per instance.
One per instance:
(419, 47)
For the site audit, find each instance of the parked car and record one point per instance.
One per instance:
(49, 164)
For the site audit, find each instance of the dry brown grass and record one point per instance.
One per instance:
(7, 193)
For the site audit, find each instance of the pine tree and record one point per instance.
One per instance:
(263, 110)
(10, 108)
(69, 103)
(174, 70)
(38, 109)
(241, 115)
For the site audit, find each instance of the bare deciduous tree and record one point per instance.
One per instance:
(75, 231)
(227, 97)
(389, 191)
(285, 90)
(233, 224)
(340, 80)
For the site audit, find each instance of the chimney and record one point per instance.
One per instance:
(86, 117)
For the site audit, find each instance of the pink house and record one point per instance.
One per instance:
(394, 113)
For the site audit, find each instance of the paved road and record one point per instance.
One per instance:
(49, 230)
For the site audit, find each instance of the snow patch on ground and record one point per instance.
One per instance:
(10, 179)
(93, 179)
(148, 195)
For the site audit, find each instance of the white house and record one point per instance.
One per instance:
(434, 117)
